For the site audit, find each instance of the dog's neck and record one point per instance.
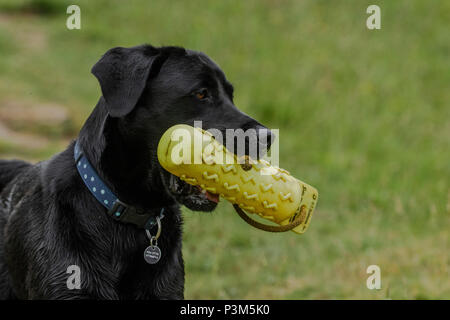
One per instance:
(123, 161)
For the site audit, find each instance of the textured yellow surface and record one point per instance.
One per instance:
(268, 191)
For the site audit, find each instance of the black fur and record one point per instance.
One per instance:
(48, 218)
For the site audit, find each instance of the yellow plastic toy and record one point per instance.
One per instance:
(255, 186)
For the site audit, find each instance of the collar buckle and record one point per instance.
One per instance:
(119, 210)
(125, 213)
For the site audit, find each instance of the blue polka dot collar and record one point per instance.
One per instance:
(116, 209)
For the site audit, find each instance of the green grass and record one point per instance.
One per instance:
(363, 115)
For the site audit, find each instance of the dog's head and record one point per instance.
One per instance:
(146, 90)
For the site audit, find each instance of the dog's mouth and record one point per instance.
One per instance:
(193, 197)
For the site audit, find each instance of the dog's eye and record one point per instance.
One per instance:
(201, 94)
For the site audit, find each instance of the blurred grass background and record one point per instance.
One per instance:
(363, 116)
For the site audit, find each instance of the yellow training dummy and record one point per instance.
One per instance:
(254, 186)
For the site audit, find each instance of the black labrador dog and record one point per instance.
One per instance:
(50, 220)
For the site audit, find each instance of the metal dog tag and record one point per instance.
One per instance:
(152, 254)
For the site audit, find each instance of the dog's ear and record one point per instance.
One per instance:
(122, 74)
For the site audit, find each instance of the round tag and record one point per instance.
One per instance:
(152, 254)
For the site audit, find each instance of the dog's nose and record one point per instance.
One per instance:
(255, 138)
(265, 140)
(265, 137)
